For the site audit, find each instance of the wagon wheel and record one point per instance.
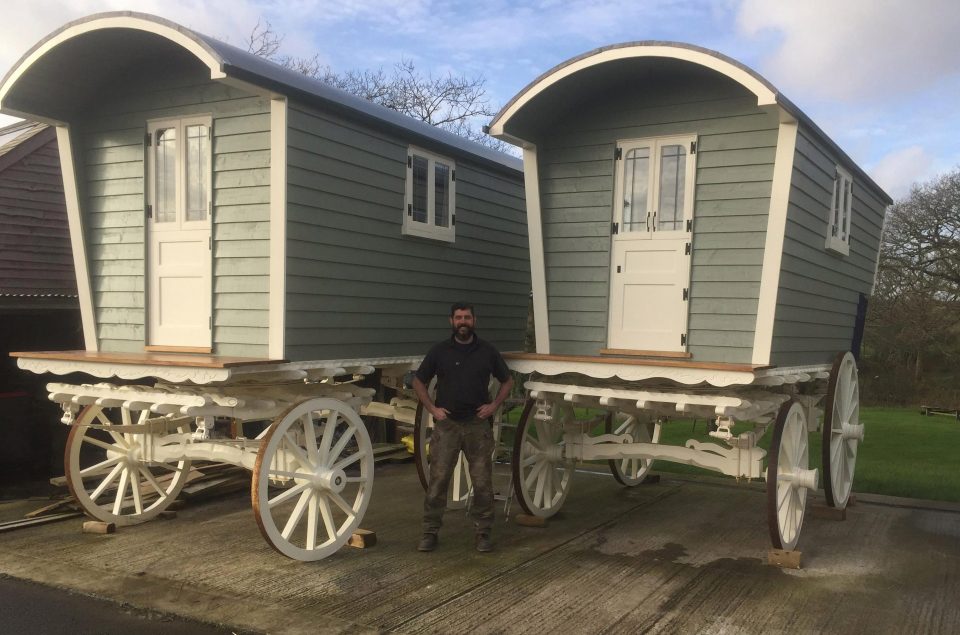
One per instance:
(108, 474)
(541, 474)
(842, 430)
(788, 476)
(320, 453)
(461, 488)
(631, 472)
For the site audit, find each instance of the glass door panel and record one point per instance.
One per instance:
(671, 188)
(636, 186)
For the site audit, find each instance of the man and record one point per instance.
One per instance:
(462, 365)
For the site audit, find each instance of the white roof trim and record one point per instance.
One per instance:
(125, 21)
(765, 94)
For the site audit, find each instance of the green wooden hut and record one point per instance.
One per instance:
(219, 203)
(679, 206)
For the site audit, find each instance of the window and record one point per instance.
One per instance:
(841, 211)
(430, 201)
(654, 186)
(179, 159)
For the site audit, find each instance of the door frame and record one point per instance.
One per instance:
(181, 224)
(651, 233)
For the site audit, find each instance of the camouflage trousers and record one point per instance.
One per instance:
(475, 438)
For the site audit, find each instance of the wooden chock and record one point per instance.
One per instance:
(852, 500)
(363, 538)
(527, 520)
(98, 527)
(784, 559)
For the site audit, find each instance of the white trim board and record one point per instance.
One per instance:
(276, 338)
(765, 96)
(75, 222)
(538, 273)
(773, 245)
(175, 35)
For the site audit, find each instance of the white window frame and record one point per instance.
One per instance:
(841, 213)
(429, 228)
(180, 124)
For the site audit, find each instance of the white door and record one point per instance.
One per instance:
(179, 259)
(650, 251)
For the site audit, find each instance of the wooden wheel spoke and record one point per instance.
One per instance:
(150, 478)
(312, 513)
(341, 443)
(297, 514)
(135, 490)
(100, 467)
(328, 431)
(109, 447)
(121, 491)
(286, 495)
(783, 493)
(342, 504)
(537, 468)
(297, 451)
(327, 514)
(310, 437)
(289, 474)
(350, 460)
(528, 461)
(105, 483)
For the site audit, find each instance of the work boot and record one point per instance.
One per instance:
(428, 542)
(484, 544)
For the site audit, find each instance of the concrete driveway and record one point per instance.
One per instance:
(679, 556)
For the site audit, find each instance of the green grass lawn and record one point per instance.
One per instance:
(903, 453)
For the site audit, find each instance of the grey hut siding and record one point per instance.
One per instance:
(355, 286)
(110, 157)
(819, 290)
(735, 154)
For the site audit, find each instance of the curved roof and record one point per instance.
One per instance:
(41, 82)
(513, 120)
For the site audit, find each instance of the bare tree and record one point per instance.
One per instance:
(913, 327)
(456, 103)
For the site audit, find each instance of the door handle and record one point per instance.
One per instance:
(648, 221)
(654, 220)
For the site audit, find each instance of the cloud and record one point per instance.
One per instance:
(898, 170)
(856, 49)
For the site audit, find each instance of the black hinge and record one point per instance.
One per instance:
(690, 225)
(618, 268)
(210, 322)
(149, 210)
(409, 162)
(683, 339)
(618, 154)
(210, 243)
(693, 147)
(686, 249)
(453, 175)
(409, 209)
(148, 139)
(453, 220)
(614, 228)
(686, 294)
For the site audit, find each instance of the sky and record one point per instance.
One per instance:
(880, 77)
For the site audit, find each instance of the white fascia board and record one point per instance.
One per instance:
(773, 245)
(77, 245)
(765, 96)
(202, 53)
(538, 274)
(276, 340)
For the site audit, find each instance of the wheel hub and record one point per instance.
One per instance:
(333, 480)
(800, 477)
(852, 431)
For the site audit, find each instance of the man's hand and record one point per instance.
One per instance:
(439, 414)
(486, 410)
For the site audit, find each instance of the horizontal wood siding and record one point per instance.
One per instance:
(355, 286)
(35, 254)
(819, 289)
(735, 154)
(111, 165)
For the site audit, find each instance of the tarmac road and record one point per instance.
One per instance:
(680, 556)
(28, 607)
